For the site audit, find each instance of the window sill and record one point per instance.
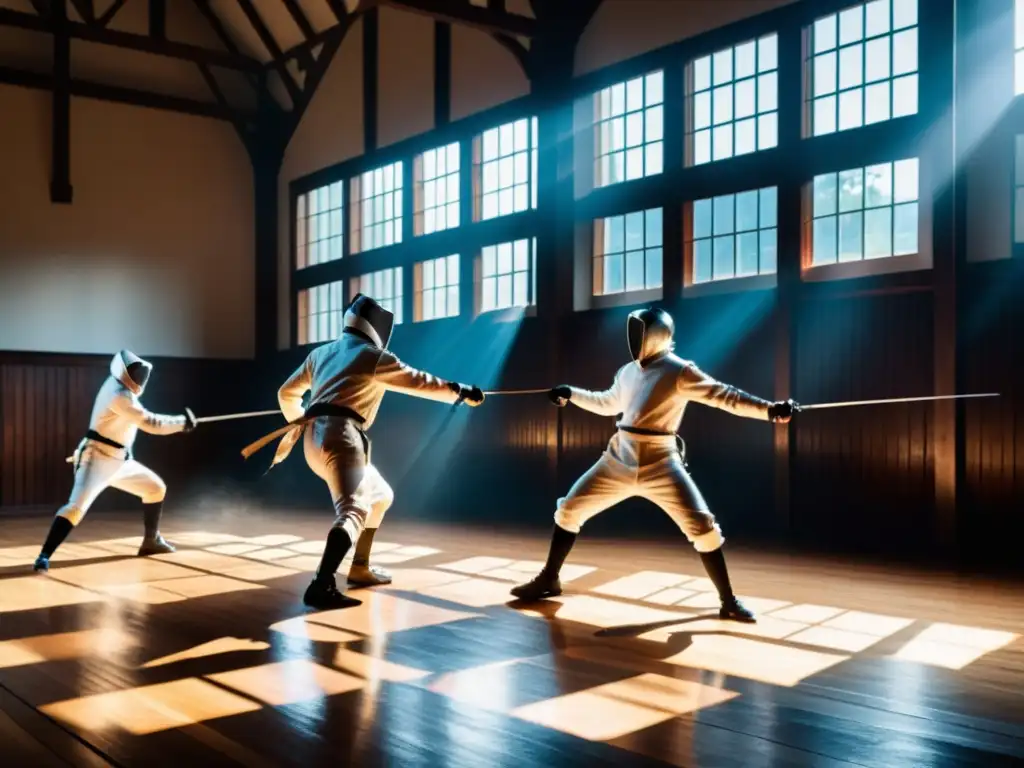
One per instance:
(866, 268)
(730, 285)
(624, 299)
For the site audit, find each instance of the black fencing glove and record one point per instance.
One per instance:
(782, 411)
(472, 396)
(560, 395)
(190, 420)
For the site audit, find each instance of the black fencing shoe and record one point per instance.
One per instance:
(542, 586)
(325, 596)
(158, 545)
(42, 564)
(734, 610)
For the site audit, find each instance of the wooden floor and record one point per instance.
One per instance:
(207, 657)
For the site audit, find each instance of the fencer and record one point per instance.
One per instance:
(103, 459)
(346, 380)
(645, 455)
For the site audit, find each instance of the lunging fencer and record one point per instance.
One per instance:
(645, 455)
(346, 380)
(104, 458)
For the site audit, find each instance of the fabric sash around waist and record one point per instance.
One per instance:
(92, 435)
(643, 435)
(292, 431)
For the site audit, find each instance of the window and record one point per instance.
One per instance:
(1018, 186)
(863, 66)
(376, 203)
(734, 235)
(320, 313)
(865, 213)
(318, 226)
(1018, 45)
(505, 170)
(508, 275)
(627, 252)
(436, 175)
(436, 288)
(733, 102)
(384, 286)
(628, 130)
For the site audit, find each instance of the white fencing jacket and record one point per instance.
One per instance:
(655, 397)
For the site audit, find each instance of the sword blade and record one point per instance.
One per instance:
(231, 416)
(516, 391)
(886, 401)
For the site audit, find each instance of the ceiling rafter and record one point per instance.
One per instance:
(299, 17)
(227, 41)
(85, 9)
(338, 9)
(96, 34)
(463, 12)
(276, 54)
(109, 14)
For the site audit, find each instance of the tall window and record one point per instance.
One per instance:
(865, 213)
(320, 313)
(508, 275)
(436, 288)
(733, 102)
(627, 252)
(376, 204)
(436, 175)
(1018, 195)
(319, 226)
(734, 235)
(863, 66)
(1018, 45)
(629, 130)
(384, 286)
(505, 170)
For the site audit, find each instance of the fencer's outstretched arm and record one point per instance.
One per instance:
(696, 385)
(289, 396)
(606, 403)
(147, 421)
(399, 377)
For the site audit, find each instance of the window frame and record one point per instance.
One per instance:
(479, 162)
(514, 311)
(599, 121)
(418, 289)
(357, 203)
(420, 182)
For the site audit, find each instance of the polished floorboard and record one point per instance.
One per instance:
(206, 657)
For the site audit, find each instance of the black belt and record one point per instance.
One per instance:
(98, 438)
(316, 410)
(643, 431)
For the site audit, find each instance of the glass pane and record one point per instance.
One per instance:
(906, 181)
(722, 66)
(702, 147)
(824, 115)
(652, 222)
(768, 250)
(453, 301)
(904, 13)
(851, 66)
(653, 268)
(851, 25)
(824, 242)
(1018, 72)
(702, 74)
(634, 163)
(768, 53)
(488, 294)
(722, 104)
(453, 157)
(824, 194)
(768, 92)
(725, 265)
(825, 73)
(520, 295)
(701, 219)
(905, 229)
(746, 254)
(635, 270)
(702, 110)
(654, 124)
(769, 207)
(876, 59)
(825, 34)
(878, 233)
(614, 234)
(904, 96)
(634, 231)
(618, 99)
(851, 229)
(878, 185)
(634, 130)
(653, 158)
(904, 52)
(878, 14)
(745, 98)
(746, 136)
(654, 89)
(613, 274)
(521, 255)
(722, 141)
(876, 99)
(504, 291)
(768, 130)
(746, 211)
(746, 63)
(851, 109)
(851, 190)
(634, 95)
(702, 261)
(724, 222)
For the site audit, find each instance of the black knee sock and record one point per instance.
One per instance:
(338, 545)
(561, 542)
(151, 518)
(363, 547)
(59, 530)
(714, 564)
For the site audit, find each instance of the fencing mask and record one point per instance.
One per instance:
(366, 315)
(131, 370)
(649, 333)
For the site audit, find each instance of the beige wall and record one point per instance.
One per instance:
(155, 254)
(405, 76)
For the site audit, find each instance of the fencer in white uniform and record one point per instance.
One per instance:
(104, 459)
(645, 457)
(346, 380)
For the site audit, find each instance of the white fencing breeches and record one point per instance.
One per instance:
(96, 471)
(336, 451)
(649, 467)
